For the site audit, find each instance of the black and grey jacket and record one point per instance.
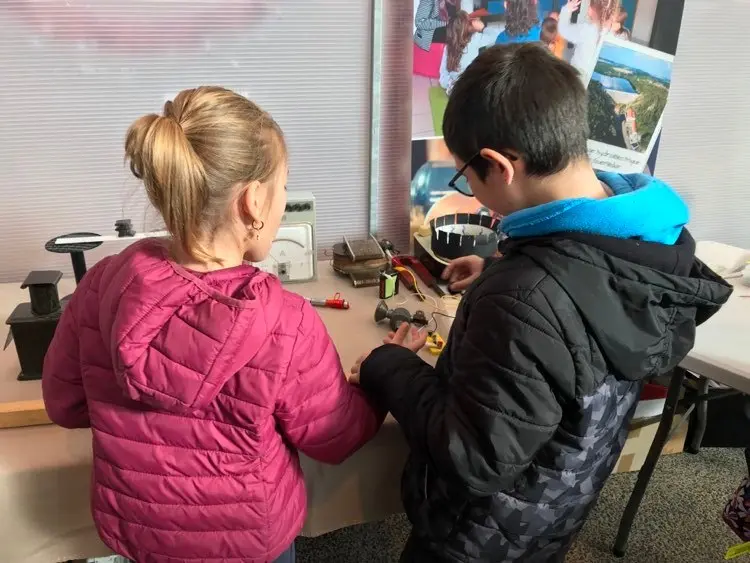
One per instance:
(426, 21)
(515, 431)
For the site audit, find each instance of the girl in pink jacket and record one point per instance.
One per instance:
(201, 377)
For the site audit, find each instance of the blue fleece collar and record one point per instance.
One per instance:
(642, 207)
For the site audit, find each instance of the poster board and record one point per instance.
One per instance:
(626, 69)
(628, 93)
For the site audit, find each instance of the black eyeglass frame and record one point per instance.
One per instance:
(462, 170)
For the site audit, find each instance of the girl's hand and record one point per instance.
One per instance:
(573, 5)
(354, 372)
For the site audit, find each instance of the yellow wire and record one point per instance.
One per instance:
(437, 309)
(448, 300)
(413, 279)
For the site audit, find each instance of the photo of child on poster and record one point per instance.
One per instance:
(449, 34)
(624, 51)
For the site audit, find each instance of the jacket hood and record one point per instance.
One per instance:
(622, 215)
(641, 301)
(175, 336)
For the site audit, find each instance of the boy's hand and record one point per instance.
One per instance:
(417, 337)
(416, 340)
(461, 272)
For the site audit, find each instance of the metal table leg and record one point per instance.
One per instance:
(644, 475)
(697, 428)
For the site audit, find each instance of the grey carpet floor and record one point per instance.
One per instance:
(679, 519)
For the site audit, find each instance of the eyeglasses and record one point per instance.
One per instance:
(460, 183)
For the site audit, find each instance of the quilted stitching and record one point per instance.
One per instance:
(199, 390)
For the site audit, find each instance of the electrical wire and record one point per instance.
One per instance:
(438, 313)
(453, 300)
(400, 303)
(433, 300)
(436, 303)
(413, 280)
(425, 297)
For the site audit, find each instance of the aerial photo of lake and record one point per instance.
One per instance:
(614, 83)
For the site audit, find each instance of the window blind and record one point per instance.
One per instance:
(392, 126)
(76, 74)
(705, 142)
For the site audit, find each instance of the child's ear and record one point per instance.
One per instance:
(249, 203)
(503, 163)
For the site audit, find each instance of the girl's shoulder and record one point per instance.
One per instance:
(298, 316)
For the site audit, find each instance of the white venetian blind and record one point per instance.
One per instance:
(75, 73)
(705, 147)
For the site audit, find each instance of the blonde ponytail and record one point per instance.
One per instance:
(208, 141)
(173, 175)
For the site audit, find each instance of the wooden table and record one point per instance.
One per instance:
(45, 470)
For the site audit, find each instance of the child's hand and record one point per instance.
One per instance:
(416, 337)
(461, 272)
(353, 376)
(477, 25)
(573, 5)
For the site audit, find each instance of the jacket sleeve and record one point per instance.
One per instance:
(482, 421)
(320, 412)
(573, 32)
(62, 384)
(423, 18)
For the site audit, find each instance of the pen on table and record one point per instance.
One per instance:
(335, 303)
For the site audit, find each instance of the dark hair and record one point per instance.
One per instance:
(623, 32)
(549, 30)
(518, 98)
(520, 17)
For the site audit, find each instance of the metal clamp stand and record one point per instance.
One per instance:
(76, 252)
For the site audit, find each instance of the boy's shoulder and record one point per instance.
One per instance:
(522, 279)
(513, 274)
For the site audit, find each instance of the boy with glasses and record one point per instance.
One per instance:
(515, 431)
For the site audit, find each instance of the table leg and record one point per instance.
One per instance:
(644, 475)
(697, 428)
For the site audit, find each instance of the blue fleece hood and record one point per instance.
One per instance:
(642, 207)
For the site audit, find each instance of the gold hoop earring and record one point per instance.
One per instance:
(253, 231)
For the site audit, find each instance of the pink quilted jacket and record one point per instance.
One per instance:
(199, 390)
